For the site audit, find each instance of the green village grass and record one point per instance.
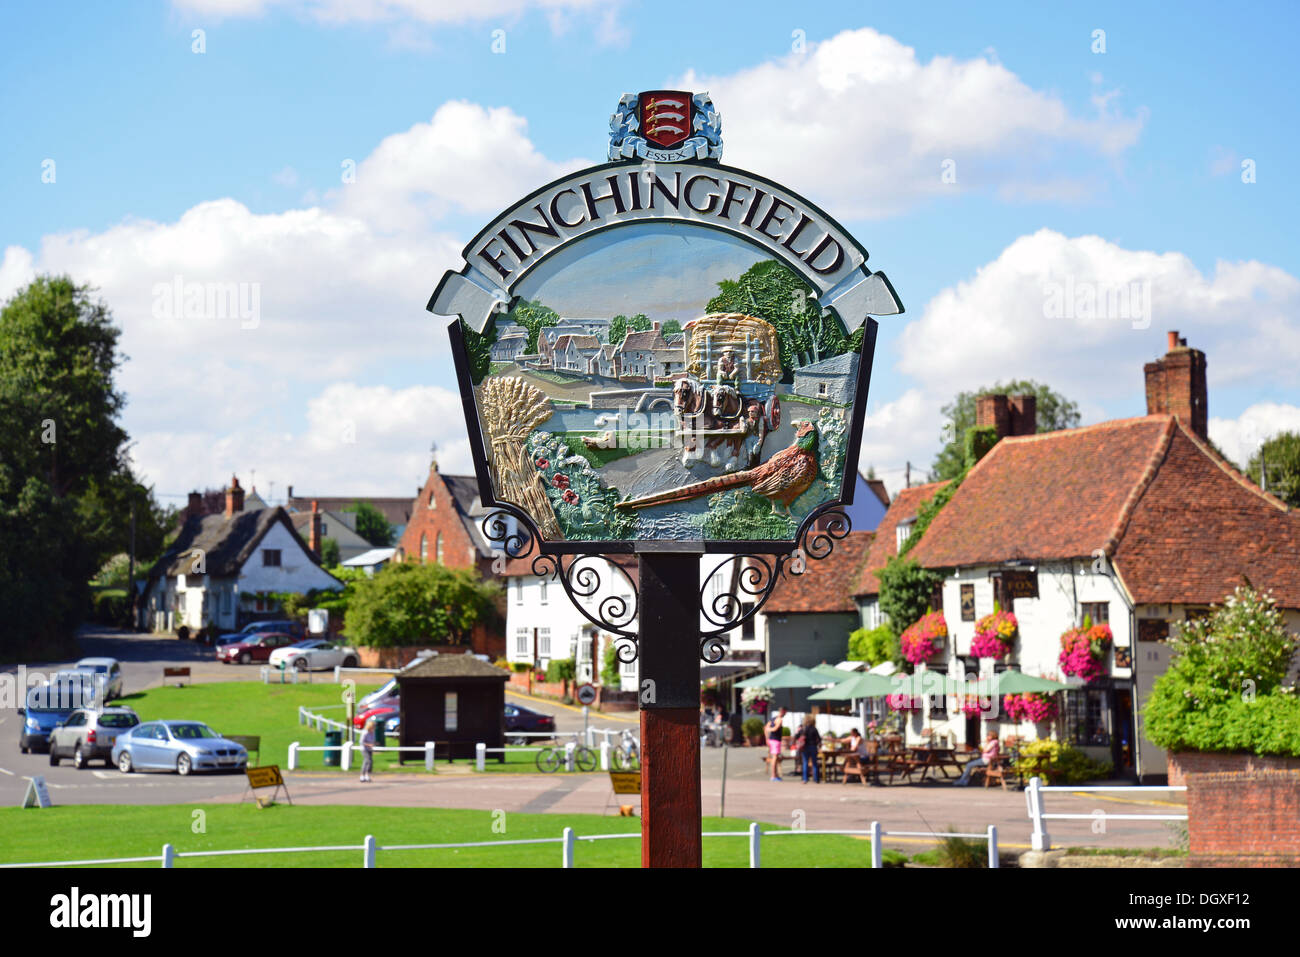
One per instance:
(271, 711)
(80, 833)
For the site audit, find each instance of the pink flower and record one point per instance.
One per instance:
(559, 480)
(920, 641)
(542, 463)
(1083, 653)
(570, 496)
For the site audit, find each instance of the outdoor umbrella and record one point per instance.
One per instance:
(926, 683)
(1017, 682)
(859, 685)
(787, 676)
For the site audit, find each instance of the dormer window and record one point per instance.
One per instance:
(902, 531)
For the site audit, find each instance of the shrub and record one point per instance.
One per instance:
(962, 852)
(609, 668)
(1059, 762)
(1224, 689)
(752, 727)
(109, 607)
(874, 646)
(503, 664)
(561, 669)
(905, 590)
(520, 667)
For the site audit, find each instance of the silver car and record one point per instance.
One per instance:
(110, 668)
(88, 734)
(180, 746)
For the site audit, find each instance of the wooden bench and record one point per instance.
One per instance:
(176, 673)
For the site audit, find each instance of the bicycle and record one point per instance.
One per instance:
(627, 755)
(551, 759)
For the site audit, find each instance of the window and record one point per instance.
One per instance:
(424, 547)
(543, 588)
(1098, 611)
(433, 502)
(521, 641)
(439, 548)
(1152, 629)
(544, 642)
(629, 668)
(450, 712)
(584, 647)
(519, 591)
(1087, 716)
(271, 557)
(902, 531)
(821, 388)
(324, 529)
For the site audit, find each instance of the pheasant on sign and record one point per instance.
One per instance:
(781, 479)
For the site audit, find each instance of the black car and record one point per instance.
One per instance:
(523, 719)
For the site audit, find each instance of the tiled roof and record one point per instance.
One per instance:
(1179, 523)
(585, 342)
(451, 666)
(885, 544)
(826, 586)
(647, 341)
(226, 543)
(396, 510)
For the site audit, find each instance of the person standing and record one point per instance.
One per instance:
(774, 742)
(810, 741)
(367, 749)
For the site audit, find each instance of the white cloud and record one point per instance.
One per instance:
(365, 440)
(1240, 438)
(897, 432)
(1025, 315)
(467, 158)
(864, 123)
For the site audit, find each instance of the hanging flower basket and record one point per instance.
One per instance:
(995, 635)
(903, 703)
(1083, 652)
(971, 706)
(1031, 706)
(756, 700)
(923, 639)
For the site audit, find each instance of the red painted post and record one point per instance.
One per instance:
(669, 653)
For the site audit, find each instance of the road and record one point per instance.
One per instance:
(924, 807)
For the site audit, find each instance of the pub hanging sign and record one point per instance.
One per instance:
(662, 348)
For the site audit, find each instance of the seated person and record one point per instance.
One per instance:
(988, 754)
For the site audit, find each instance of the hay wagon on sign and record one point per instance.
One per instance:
(726, 404)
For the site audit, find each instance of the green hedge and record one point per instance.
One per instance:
(109, 607)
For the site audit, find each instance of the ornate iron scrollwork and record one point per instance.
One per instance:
(580, 577)
(755, 576)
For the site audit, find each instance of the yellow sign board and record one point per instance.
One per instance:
(625, 782)
(267, 777)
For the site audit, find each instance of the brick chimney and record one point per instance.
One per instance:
(1176, 385)
(195, 507)
(655, 326)
(234, 497)
(1009, 415)
(313, 540)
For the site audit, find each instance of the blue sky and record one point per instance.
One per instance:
(225, 166)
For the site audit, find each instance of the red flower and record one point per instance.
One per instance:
(560, 481)
(570, 496)
(542, 463)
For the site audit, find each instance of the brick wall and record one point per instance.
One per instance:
(1182, 763)
(1244, 818)
(1175, 384)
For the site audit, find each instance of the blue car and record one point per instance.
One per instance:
(47, 706)
(180, 746)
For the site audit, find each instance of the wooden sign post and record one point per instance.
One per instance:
(667, 358)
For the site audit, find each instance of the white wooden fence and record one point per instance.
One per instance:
(1040, 840)
(567, 840)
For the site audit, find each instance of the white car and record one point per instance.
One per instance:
(314, 654)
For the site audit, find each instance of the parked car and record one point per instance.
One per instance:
(393, 725)
(387, 695)
(524, 719)
(287, 627)
(88, 734)
(255, 648)
(110, 668)
(315, 654)
(46, 706)
(180, 746)
(381, 713)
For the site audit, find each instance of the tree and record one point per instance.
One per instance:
(1053, 412)
(409, 604)
(672, 327)
(640, 323)
(1225, 688)
(371, 524)
(772, 292)
(63, 462)
(874, 646)
(329, 552)
(1281, 454)
(533, 316)
(617, 330)
(905, 591)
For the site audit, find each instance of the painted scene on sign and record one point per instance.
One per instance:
(665, 381)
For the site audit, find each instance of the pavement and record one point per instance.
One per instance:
(929, 806)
